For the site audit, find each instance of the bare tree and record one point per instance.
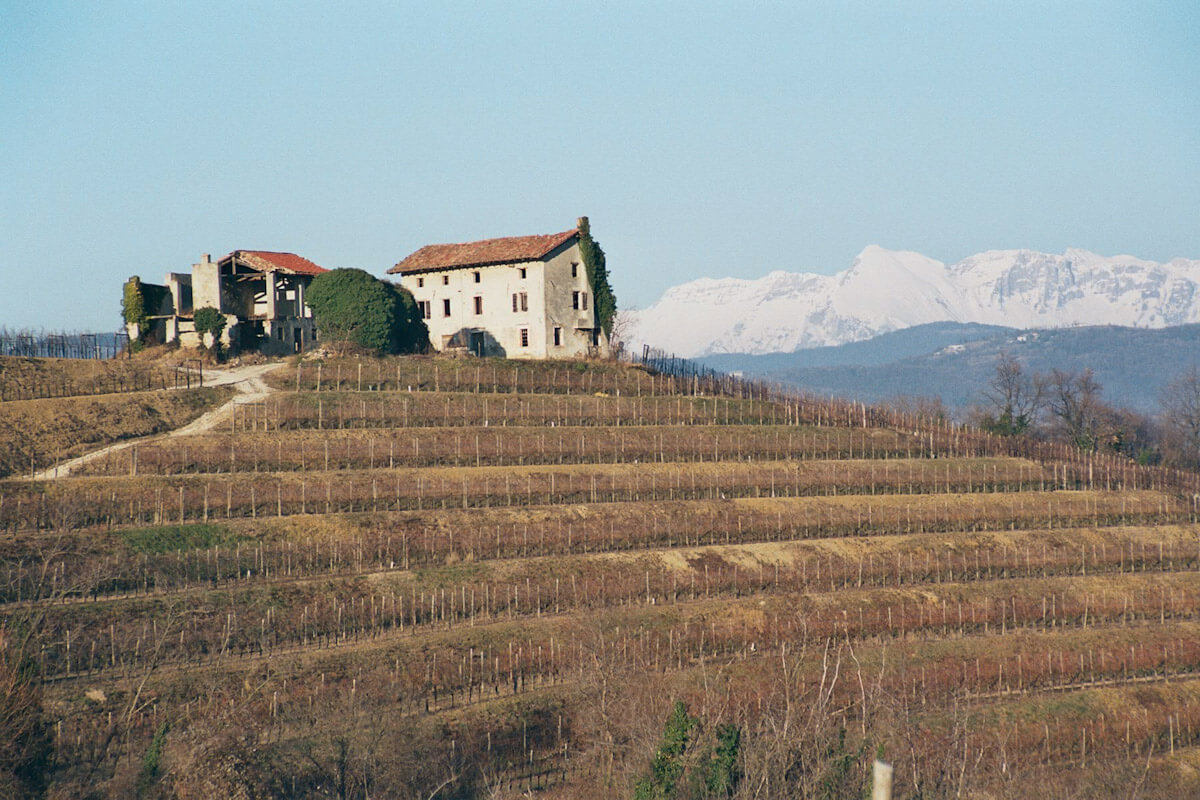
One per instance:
(617, 336)
(1080, 414)
(1180, 401)
(1014, 398)
(25, 746)
(926, 408)
(1134, 435)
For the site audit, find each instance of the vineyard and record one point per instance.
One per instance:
(417, 577)
(23, 378)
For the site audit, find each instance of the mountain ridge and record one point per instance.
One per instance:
(887, 290)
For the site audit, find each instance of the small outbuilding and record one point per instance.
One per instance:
(260, 293)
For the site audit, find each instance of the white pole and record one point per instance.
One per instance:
(882, 782)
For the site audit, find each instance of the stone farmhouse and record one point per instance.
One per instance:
(260, 293)
(514, 297)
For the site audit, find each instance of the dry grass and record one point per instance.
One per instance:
(24, 378)
(37, 433)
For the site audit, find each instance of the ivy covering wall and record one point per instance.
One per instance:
(139, 302)
(603, 300)
(133, 304)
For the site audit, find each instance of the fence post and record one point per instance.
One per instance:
(881, 781)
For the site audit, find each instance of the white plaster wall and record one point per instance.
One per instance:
(176, 282)
(206, 286)
(548, 286)
(560, 286)
(496, 286)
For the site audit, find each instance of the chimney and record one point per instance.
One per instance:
(206, 258)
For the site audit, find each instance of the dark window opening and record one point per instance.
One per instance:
(446, 307)
(477, 277)
(557, 336)
(524, 337)
(478, 303)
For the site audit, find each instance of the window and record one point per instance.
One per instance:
(575, 300)
(583, 300)
(445, 280)
(478, 303)
(446, 307)
(420, 283)
(524, 301)
(514, 303)
(476, 276)
(557, 336)
(279, 333)
(574, 269)
(423, 307)
(524, 337)
(522, 271)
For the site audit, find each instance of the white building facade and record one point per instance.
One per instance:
(514, 297)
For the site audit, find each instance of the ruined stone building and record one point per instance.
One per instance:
(514, 297)
(260, 293)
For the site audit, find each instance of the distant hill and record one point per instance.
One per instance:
(884, 349)
(955, 361)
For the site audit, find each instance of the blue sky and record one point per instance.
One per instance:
(702, 139)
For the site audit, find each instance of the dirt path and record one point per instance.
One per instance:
(247, 380)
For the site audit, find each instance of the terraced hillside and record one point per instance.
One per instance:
(428, 578)
(52, 409)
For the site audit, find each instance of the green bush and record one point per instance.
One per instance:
(667, 767)
(210, 321)
(722, 773)
(711, 774)
(152, 761)
(355, 308)
(410, 333)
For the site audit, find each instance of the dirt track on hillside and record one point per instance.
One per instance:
(247, 380)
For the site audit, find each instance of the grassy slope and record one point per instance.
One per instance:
(24, 378)
(41, 432)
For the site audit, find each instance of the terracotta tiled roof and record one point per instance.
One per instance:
(509, 250)
(268, 261)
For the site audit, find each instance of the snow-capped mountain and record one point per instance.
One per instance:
(886, 290)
